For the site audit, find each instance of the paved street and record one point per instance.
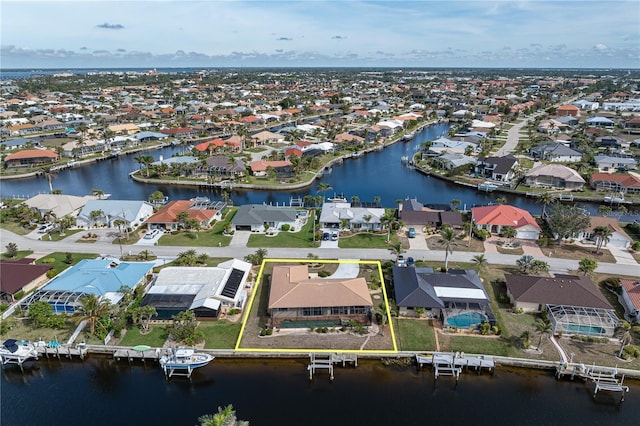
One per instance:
(237, 251)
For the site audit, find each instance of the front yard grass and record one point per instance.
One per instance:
(20, 255)
(300, 239)
(366, 240)
(570, 251)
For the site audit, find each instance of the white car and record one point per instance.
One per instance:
(151, 234)
(43, 229)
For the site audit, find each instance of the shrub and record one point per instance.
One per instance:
(285, 227)
(484, 327)
(52, 273)
(481, 234)
(635, 246)
(48, 260)
(323, 274)
(631, 351)
(496, 330)
(590, 339)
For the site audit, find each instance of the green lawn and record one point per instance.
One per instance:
(20, 255)
(58, 259)
(414, 334)
(221, 334)
(300, 239)
(155, 338)
(56, 236)
(366, 240)
(14, 227)
(479, 345)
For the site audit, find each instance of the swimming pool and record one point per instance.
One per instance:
(466, 319)
(583, 329)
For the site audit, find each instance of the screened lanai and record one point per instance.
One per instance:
(582, 320)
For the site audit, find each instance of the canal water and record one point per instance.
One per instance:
(377, 174)
(101, 391)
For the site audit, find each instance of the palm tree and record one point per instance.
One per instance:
(545, 199)
(91, 309)
(587, 266)
(49, 174)
(480, 261)
(396, 248)
(447, 240)
(509, 233)
(143, 315)
(99, 193)
(95, 215)
(355, 200)
(603, 236)
(525, 263)
(187, 257)
(380, 311)
(324, 187)
(224, 417)
(543, 326)
(145, 160)
(623, 333)
(367, 218)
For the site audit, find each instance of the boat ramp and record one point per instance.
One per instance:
(452, 364)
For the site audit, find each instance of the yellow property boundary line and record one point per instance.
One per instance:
(298, 350)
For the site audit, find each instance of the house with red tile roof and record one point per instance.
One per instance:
(167, 217)
(571, 110)
(281, 167)
(210, 145)
(31, 157)
(616, 182)
(495, 218)
(631, 297)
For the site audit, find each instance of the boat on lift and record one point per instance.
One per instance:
(182, 361)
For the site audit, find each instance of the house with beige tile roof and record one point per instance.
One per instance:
(298, 298)
(618, 237)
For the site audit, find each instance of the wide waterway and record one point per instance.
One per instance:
(379, 173)
(101, 391)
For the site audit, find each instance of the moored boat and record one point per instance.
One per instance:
(182, 361)
(337, 198)
(487, 186)
(15, 351)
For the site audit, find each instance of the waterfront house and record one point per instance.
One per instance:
(103, 278)
(443, 145)
(441, 295)
(31, 158)
(568, 110)
(182, 132)
(556, 152)
(499, 169)
(59, 204)
(618, 237)
(337, 215)
(415, 214)
(19, 277)
(450, 161)
(224, 167)
(167, 217)
(260, 217)
(281, 168)
(494, 218)
(631, 297)
(207, 291)
(609, 163)
(149, 136)
(573, 303)
(554, 176)
(609, 141)
(624, 183)
(265, 137)
(601, 122)
(133, 213)
(298, 298)
(19, 143)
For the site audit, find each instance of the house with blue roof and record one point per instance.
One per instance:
(102, 277)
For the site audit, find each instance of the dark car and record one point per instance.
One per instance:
(410, 261)
(325, 236)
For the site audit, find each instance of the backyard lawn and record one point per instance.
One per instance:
(414, 334)
(221, 334)
(155, 338)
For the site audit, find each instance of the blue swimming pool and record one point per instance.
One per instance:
(584, 329)
(466, 319)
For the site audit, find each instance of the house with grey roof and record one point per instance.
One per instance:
(441, 295)
(453, 161)
(556, 152)
(333, 215)
(414, 213)
(501, 169)
(132, 212)
(600, 122)
(260, 217)
(554, 176)
(609, 162)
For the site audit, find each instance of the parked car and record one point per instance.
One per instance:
(151, 234)
(400, 261)
(334, 236)
(326, 236)
(412, 233)
(43, 229)
(410, 261)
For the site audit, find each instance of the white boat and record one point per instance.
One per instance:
(337, 198)
(17, 351)
(356, 154)
(408, 136)
(183, 361)
(487, 186)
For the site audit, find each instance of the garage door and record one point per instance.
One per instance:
(527, 235)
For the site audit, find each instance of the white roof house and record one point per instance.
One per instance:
(58, 204)
(132, 212)
(358, 217)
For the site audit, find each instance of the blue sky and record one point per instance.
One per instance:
(425, 33)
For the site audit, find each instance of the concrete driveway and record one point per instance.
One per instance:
(419, 242)
(622, 256)
(528, 246)
(346, 270)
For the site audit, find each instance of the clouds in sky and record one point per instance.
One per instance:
(428, 33)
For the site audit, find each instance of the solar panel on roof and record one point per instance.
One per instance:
(232, 284)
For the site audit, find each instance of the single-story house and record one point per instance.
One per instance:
(167, 217)
(132, 212)
(102, 277)
(414, 213)
(333, 214)
(282, 168)
(59, 204)
(260, 217)
(224, 167)
(618, 237)
(500, 169)
(600, 122)
(494, 218)
(440, 295)
(442, 145)
(554, 176)
(31, 157)
(625, 183)
(556, 152)
(573, 303)
(207, 291)
(450, 161)
(611, 163)
(21, 275)
(297, 297)
(631, 297)
(266, 137)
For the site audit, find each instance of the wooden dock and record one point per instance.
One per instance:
(61, 350)
(320, 362)
(604, 378)
(451, 364)
(131, 355)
